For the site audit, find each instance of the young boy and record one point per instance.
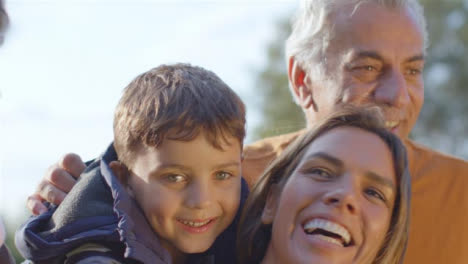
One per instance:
(166, 191)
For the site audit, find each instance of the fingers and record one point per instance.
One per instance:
(35, 205)
(60, 178)
(50, 193)
(57, 182)
(73, 164)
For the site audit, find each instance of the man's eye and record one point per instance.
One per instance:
(369, 68)
(375, 193)
(175, 178)
(413, 71)
(222, 175)
(366, 73)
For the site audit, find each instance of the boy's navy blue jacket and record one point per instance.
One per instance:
(98, 210)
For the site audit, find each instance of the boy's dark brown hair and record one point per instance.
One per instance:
(176, 102)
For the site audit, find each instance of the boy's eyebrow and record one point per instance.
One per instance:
(228, 164)
(170, 166)
(182, 167)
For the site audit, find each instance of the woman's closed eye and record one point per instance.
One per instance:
(320, 173)
(376, 194)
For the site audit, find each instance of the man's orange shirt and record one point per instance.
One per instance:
(439, 202)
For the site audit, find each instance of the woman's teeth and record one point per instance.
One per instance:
(333, 232)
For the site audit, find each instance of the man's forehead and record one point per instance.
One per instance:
(374, 30)
(357, 54)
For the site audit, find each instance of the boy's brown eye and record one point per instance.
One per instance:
(175, 178)
(222, 175)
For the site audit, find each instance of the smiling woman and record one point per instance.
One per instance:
(339, 194)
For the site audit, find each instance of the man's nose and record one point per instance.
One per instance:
(392, 89)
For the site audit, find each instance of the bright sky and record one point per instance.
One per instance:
(64, 64)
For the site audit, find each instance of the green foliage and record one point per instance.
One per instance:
(11, 225)
(442, 124)
(280, 114)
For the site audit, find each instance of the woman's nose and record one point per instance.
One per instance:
(344, 197)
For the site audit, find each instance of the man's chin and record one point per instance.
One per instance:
(395, 130)
(399, 131)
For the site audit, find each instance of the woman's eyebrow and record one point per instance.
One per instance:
(369, 174)
(372, 176)
(326, 157)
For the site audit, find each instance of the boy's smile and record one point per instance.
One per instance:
(197, 226)
(188, 190)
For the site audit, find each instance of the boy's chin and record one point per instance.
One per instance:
(181, 248)
(195, 246)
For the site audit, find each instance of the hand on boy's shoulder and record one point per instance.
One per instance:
(58, 180)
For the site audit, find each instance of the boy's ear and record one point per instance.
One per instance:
(298, 81)
(120, 171)
(271, 205)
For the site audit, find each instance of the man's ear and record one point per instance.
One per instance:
(271, 205)
(298, 80)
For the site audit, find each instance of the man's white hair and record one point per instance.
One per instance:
(312, 29)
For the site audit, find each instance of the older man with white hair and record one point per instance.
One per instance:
(360, 52)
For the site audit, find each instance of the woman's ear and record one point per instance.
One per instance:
(300, 84)
(271, 205)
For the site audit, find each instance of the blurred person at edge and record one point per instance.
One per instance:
(356, 52)
(5, 256)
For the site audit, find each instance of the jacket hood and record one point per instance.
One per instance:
(99, 209)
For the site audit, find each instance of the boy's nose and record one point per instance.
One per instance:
(199, 196)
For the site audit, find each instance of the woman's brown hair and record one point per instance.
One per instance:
(254, 236)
